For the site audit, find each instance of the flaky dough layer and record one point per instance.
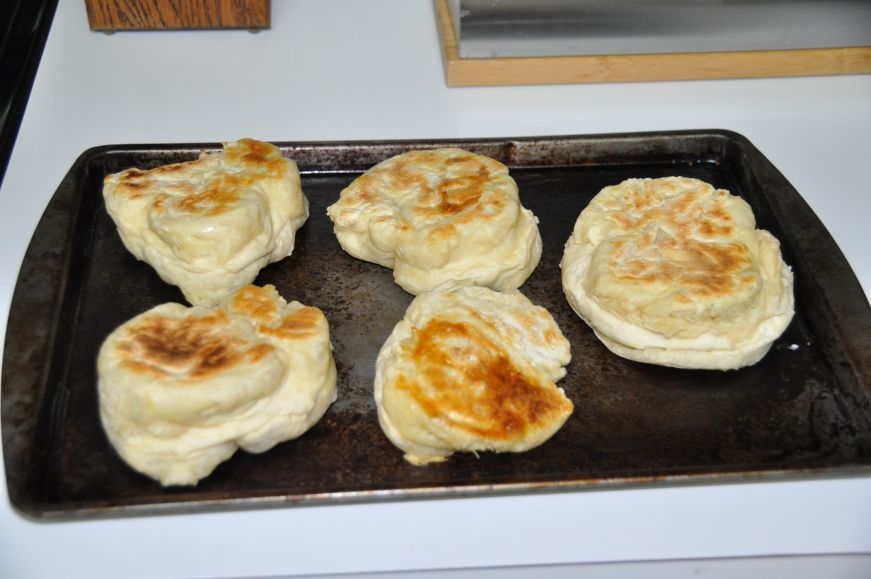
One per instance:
(471, 369)
(209, 226)
(181, 389)
(672, 271)
(437, 216)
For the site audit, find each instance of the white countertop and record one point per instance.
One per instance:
(346, 70)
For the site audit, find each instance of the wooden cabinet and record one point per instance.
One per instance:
(112, 15)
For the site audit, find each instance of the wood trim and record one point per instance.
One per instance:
(642, 67)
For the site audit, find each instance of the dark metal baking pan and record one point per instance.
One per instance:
(803, 411)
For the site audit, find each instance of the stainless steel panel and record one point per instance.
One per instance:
(512, 28)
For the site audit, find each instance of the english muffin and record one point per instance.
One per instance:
(180, 389)
(673, 271)
(436, 216)
(210, 225)
(471, 369)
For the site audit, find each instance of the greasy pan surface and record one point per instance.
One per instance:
(803, 410)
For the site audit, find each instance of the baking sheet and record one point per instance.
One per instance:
(803, 411)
